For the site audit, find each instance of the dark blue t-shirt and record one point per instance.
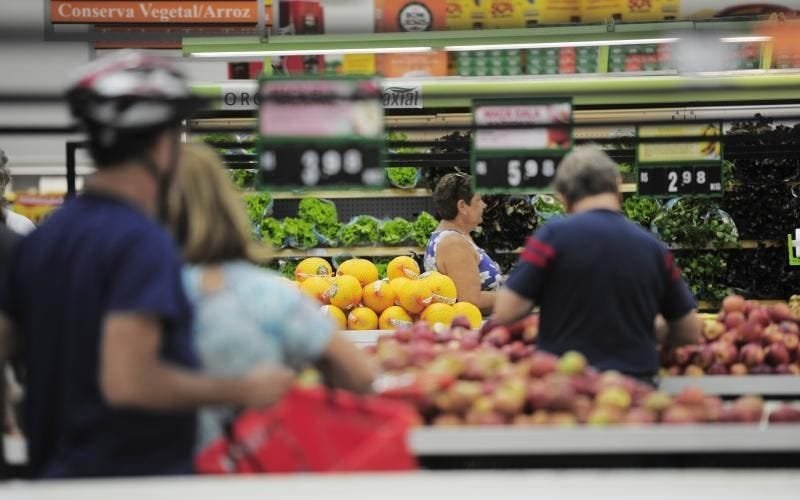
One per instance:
(600, 281)
(96, 256)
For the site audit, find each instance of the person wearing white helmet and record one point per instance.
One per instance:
(96, 299)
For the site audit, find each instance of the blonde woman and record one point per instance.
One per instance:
(245, 315)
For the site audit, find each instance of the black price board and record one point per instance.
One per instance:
(690, 166)
(518, 143)
(337, 165)
(520, 172)
(320, 132)
(679, 180)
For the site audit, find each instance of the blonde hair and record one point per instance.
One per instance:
(206, 213)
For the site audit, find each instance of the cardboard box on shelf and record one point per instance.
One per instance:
(410, 65)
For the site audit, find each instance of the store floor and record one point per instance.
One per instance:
(593, 484)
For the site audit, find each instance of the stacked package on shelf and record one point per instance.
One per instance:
(489, 63)
(563, 60)
(646, 57)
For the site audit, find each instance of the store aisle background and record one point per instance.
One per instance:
(27, 63)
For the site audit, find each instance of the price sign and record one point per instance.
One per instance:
(343, 165)
(518, 144)
(679, 180)
(666, 169)
(320, 133)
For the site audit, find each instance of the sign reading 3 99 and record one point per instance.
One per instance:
(322, 132)
(321, 166)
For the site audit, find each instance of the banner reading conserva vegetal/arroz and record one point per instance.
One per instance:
(153, 12)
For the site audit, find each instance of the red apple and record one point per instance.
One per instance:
(674, 371)
(540, 417)
(543, 363)
(786, 413)
(460, 322)
(731, 336)
(540, 394)
(791, 341)
(713, 329)
(780, 312)
(794, 369)
(604, 415)
(582, 407)
(750, 331)
(563, 419)
(750, 305)
(448, 420)
(693, 371)
(703, 357)
(639, 416)
(738, 369)
(724, 352)
(678, 415)
(789, 327)
(403, 334)
(759, 314)
(733, 303)
(776, 354)
(657, 401)
(749, 408)
(683, 354)
(761, 369)
(470, 340)
(772, 335)
(498, 336)
(690, 396)
(734, 319)
(718, 369)
(782, 369)
(751, 354)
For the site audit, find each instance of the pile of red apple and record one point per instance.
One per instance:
(745, 338)
(456, 378)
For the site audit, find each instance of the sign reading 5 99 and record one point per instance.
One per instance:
(518, 144)
(320, 133)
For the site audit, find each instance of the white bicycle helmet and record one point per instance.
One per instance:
(128, 92)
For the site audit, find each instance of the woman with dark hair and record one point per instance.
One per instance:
(452, 251)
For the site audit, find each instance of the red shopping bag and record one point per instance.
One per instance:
(316, 430)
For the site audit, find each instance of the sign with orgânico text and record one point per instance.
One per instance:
(518, 143)
(320, 132)
(686, 167)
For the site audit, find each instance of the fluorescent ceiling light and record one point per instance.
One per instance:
(552, 45)
(734, 39)
(309, 52)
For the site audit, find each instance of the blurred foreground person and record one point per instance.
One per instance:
(600, 279)
(96, 300)
(245, 315)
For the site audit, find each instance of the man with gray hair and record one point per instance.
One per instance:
(601, 280)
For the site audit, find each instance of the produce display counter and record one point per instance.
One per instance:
(365, 337)
(508, 485)
(653, 439)
(692, 446)
(769, 386)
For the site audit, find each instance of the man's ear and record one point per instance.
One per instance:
(162, 149)
(461, 205)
